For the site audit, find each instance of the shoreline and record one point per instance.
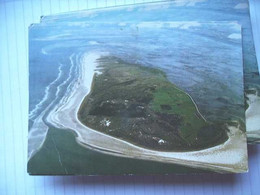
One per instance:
(227, 157)
(253, 113)
(252, 117)
(39, 129)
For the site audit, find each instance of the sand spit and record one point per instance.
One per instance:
(230, 156)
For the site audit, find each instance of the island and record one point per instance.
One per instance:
(140, 105)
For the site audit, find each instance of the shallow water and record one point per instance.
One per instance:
(199, 58)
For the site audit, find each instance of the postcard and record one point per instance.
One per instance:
(189, 10)
(136, 98)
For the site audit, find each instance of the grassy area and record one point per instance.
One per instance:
(171, 100)
(60, 154)
(140, 105)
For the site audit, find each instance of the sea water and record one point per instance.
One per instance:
(203, 59)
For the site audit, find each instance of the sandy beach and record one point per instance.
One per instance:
(253, 116)
(230, 156)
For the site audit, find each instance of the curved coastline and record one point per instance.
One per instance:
(227, 157)
(39, 129)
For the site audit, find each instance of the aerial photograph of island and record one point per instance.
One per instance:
(136, 98)
(188, 10)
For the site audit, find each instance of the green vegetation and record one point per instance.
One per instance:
(61, 154)
(177, 102)
(140, 105)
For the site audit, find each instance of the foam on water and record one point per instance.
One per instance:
(39, 128)
(38, 106)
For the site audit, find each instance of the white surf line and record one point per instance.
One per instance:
(69, 77)
(52, 83)
(70, 86)
(253, 115)
(46, 94)
(231, 156)
(39, 129)
(73, 85)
